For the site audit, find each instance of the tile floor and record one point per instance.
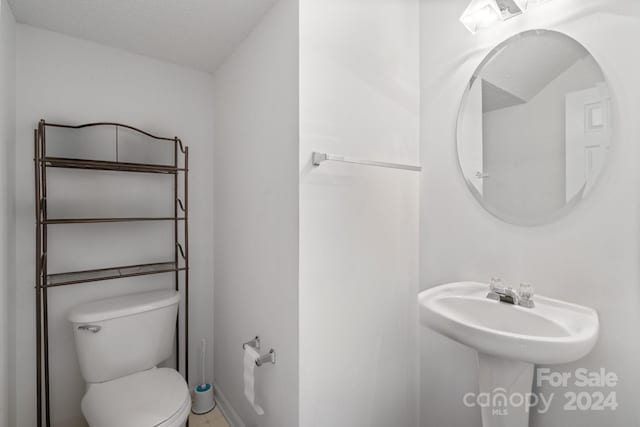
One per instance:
(212, 419)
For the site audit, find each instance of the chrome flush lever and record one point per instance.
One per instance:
(91, 328)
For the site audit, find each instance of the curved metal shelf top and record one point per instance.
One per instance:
(86, 125)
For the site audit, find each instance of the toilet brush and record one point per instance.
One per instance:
(203, 400)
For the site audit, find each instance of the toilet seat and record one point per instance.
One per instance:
(158, 397)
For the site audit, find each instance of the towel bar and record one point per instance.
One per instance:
(318, 158)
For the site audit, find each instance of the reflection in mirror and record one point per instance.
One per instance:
(534, 127)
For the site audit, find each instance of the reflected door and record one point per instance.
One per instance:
(588, 135)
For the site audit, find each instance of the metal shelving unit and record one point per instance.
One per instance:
(45, 280)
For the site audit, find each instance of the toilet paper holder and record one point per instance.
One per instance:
(269, 357)
(255, 343)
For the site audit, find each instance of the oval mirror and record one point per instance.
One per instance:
(534, 127)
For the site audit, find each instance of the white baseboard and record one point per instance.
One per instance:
(227, 410)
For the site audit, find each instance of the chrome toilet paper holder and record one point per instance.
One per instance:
(255, 343)
(269, 357)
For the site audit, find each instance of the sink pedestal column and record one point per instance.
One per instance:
(505, 387)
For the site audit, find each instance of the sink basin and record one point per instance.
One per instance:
(552, 332)
(509, 339)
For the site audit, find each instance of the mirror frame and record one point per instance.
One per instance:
(571, 204)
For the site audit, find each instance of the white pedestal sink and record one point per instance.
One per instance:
(509, 339)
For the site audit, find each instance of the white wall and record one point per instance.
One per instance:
(62, 79)
(589, 257)
(7, 215)
(358, 225)
(256, 217)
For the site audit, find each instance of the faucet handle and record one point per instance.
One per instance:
(526, 294)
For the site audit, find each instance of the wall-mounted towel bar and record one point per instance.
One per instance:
(318, 158)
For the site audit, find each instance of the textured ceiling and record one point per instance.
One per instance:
(194, 33)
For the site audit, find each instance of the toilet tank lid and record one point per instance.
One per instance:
(125, 305)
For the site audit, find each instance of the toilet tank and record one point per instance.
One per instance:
(119, 336)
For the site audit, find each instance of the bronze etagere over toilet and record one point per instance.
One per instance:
(178, 266)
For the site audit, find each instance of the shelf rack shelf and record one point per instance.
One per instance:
(103, 165)
(45, 280)
(97, 275)
(54, 221)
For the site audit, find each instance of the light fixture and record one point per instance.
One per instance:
(511, 8)
(532, 3)
(481, 14)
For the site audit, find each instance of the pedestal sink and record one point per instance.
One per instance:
(509, 338)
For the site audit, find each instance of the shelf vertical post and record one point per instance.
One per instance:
(175, 244)
(38, 285)
(186, 271)
(45, 297)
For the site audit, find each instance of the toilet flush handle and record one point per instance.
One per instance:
(91, 328)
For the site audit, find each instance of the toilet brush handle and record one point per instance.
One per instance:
(203, 357)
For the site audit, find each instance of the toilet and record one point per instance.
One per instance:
(120, 342)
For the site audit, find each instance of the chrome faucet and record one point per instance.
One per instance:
(523, 297)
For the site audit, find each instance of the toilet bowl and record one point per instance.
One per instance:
(120, 342)
(156, 397)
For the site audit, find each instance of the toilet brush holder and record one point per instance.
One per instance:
(203, 400)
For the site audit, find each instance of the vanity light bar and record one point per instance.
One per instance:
(481, 14)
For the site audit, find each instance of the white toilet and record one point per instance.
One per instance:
(120, 341)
